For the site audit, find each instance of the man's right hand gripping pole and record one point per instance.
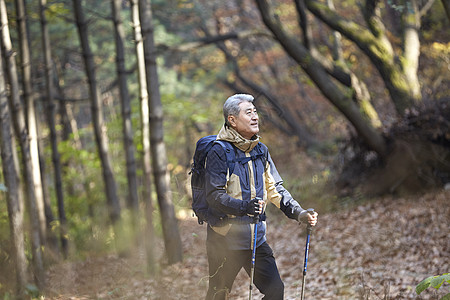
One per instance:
(255, 207)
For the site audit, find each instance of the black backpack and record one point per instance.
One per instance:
(199, 204)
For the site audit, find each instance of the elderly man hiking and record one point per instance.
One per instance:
(240, 179)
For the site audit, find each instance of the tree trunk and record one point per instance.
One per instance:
(320, 77)
(52, 241)
(14, 195)
(31, 113)
(21, 133)
(171, 234)
(133, 201)
(146, 155)
(97, 116)
(50, 113)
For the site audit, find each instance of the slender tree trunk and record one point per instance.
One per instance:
(146, 155)
(31, 113)
(337, 39)
(133, 201)
(21, 133)
(50, 113)
(52, 241)
(14, 195)
(99, 126)
(171, 233)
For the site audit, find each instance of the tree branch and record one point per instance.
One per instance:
(371, 13)
(427, 7)
(208, 40)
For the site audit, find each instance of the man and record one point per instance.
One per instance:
(236, 200)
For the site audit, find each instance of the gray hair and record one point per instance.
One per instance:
(231, 105)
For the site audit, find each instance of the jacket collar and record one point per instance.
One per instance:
(230, 135)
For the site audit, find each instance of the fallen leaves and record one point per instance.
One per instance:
(378, 250)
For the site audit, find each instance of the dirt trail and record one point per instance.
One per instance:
(376, 249)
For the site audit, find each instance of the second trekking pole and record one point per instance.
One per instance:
(305, 263)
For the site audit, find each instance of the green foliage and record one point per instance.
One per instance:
(434, 281)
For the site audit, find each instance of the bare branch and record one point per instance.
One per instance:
(427, 7)
(185, 47)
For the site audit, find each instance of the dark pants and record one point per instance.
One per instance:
(225, 264)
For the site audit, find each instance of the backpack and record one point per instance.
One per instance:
(199, 204)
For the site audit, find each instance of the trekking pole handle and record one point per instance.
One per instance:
(256, 216)
(309, 228)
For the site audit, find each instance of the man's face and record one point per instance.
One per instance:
(247, 122)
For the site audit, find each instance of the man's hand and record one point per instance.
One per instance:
(306, 216)
(255, 206)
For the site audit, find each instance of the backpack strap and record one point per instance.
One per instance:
(259, 154)
(231, 155)
(229, 152)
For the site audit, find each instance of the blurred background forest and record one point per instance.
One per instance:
(102, 102)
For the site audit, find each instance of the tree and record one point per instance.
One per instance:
(25, 56)
(14, 199)
(21, 132)
(145, 136)
(97, 115)
(50, 91)
(133, 201)
(171, 234)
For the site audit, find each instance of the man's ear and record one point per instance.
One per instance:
(232, 120)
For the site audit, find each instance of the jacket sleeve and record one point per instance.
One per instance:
(215, 184)
(287, 204)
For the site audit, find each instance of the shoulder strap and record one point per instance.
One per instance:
(229, 152)
(259, 154)
(263, 152)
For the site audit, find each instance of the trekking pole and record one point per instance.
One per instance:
(305, 263)
(252, 269)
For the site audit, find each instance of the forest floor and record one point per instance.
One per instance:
(379, 249)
